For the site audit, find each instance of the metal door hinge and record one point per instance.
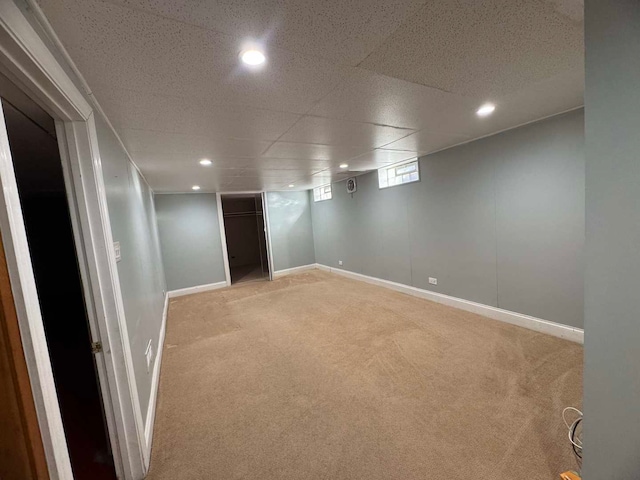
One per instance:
(96, 347)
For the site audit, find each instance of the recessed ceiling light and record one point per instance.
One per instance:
(195, 187)
(205, 162)
(344, 165)
(253, 57)
(486, 110)
(291, 185)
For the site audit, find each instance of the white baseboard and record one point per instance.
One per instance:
(289, 271)
(532, 323)
(155, 383)
(196, 289)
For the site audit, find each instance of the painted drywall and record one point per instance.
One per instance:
(612, 278)
(133, 224)
(499, 221)
(291, 229)
(190, 239)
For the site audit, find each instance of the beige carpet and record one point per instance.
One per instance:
(315, 376)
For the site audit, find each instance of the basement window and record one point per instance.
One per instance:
(399, 174)
(322, 193)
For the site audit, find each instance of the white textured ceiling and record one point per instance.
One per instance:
(366, 82)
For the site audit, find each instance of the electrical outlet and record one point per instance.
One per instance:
(433, 281)
(340, 262)
(149, 355)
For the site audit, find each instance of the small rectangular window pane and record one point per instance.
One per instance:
(398, 175)
(322, 193)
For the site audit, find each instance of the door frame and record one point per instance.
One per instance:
(28, 62)
(223, 233)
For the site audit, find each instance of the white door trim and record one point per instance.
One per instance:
(28, 62)
(84, 266)
(223, 234)
(267, 231)
(223, 240)
(23, 285)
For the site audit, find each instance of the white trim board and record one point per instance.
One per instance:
(155, 383)
(197, 289)
(289, 271)
(267, 234)
(532, 323)
(28, 63)
(223, 242)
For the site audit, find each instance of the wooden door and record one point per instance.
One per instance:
(21, 451)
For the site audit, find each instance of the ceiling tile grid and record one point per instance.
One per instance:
(363, 82)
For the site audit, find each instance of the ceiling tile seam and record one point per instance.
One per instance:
(357, 122)
(279, 139)
(466, 137)
(401, 24)
(313, 174)
(224, 34)
(290, 112)
(375, 124)
(200, 135)
(314, 104)
(399, 139)
(337, 86)
(382, 42)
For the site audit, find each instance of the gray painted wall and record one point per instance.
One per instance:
(190, 239)
(612, 309)
(190, 235)
(133, 224)
(291, 229)
(499, 221)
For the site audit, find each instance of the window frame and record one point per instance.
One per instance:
(395, 166)
(315, 200)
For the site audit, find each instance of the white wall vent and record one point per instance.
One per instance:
(351, 185)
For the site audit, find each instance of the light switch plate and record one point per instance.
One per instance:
(116, 249)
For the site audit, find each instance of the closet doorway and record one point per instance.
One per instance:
(245, 232)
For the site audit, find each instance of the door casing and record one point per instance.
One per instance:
(30, 65)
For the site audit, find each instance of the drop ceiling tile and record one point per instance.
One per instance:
(163, 160)
(290, 163)
(382, 156)
(147, 111)
(278, 174)
(313, 151)
(176, 92)
(339, 132)
(128, 109)
(196, 146)
(131, 49)
(340, 31)
(369, 97)
(177, 182)
(539, 100)
(426, 142)
(329, 176)
(482, 48)
(250, 185)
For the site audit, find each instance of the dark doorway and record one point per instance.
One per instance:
(246, 240)
(41, 187)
